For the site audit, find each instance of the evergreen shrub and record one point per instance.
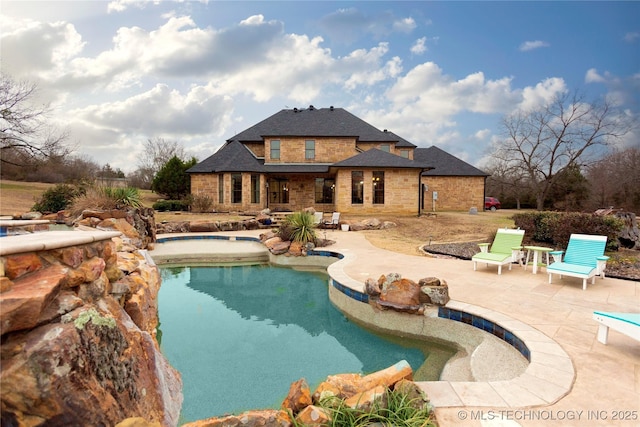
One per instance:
(555, 228)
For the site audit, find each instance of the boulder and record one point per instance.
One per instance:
(365, 401)
(371, 223)
(342, 386)
(372, 287)
(401, 292)
(270, 242)
(93, 368)
(297, 249)
(298, 398)
(30, 295)
(280, 248)
(436, 293)
(203, 226)
(313, 416)
(137, 422)
(19, 264)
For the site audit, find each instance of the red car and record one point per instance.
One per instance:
(491, 203)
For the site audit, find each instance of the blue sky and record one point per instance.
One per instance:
(118, 73)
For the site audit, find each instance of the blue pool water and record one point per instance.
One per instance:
(241, 335)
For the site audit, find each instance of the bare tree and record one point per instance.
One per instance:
(506, 182)
(25, 133)
(157, 152)
(565, 133)
(614, 180)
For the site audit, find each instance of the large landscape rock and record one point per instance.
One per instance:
(78, 328)
(361, 393)
(393, 292)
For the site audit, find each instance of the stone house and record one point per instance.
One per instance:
(333, 161)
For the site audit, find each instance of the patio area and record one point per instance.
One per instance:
(606, 386)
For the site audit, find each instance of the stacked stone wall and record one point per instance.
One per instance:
(78, 325)
(455, 193)
(327, 150)
(400, 197)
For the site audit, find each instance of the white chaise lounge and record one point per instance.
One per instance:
(625, 323)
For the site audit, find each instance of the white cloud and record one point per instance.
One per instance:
(482, 134)
(542, 93)
(405, 25)
(593, 76)
(122, 5)
(160, 110)
(347, 25)
(49, 45)
(531, 45)
(631, 36)
(420, 46)
(437, 96)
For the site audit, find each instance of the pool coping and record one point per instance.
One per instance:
(548, 377)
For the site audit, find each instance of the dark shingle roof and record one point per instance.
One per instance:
(401, 141)
(315, 122)
(231, 157)
(375, 158)
(444, 163)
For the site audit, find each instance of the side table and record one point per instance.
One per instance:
(538, 253)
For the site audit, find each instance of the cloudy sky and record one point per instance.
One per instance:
(118, 73)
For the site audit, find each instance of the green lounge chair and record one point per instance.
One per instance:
(626, 323)
(505, 249)
(584, 258)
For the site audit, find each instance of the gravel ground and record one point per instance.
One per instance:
(618, 270)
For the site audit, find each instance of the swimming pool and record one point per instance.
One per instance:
(240, 335)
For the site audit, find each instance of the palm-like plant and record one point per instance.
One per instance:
(300, 227)
(123, 196)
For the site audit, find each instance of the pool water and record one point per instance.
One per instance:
(241, 335)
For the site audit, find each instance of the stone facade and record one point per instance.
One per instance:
(400, 196)
(455, 193)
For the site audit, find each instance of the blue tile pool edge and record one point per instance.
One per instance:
(457, 315)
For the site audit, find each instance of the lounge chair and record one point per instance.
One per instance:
(584, 258)
(333, 223)
(317, 217)
(626, 323)
(505, 249)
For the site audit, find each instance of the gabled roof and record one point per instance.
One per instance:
(231, 157)
(316, 122)
(445, 163)
(375, 158)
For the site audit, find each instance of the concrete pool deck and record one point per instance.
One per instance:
(578, 379)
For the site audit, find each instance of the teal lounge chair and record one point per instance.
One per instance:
(626, 323)
(584, 258)
(505, 249)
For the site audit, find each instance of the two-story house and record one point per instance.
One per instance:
(330, 160)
